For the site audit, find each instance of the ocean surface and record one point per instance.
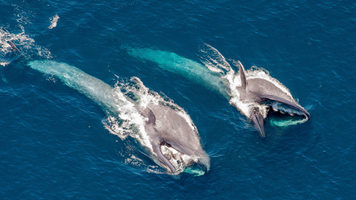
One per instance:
(56, 143)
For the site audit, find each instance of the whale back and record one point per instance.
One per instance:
(262, 87)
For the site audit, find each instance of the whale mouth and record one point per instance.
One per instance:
(183, 162)
(282, 115)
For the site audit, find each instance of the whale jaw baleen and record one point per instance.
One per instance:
(259, 90)
(166, 127)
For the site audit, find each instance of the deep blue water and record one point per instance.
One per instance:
(53, 141)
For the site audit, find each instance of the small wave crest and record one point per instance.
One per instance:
(54, 21)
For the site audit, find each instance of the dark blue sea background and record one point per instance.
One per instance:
(53, 141)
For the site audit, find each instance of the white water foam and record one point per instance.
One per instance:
(23, 42)
(135, 161)
(4, 63)
(54, 21)
(213, 59)
(23, 13)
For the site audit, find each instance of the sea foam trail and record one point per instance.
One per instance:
(216, 74)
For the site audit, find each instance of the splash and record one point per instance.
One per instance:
(24, 42)
(215, 74)
(23, 14)
(54, 21)
(121, 103)
(4, 63)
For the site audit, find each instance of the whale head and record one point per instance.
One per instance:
(175, 141)
(262, 96)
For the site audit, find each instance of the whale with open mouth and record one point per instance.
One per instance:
(254, 92)
(259, 90)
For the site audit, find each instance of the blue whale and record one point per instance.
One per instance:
(254, 92)
(167, 135)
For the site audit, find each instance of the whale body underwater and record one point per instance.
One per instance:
(254, 92)
(167, 135)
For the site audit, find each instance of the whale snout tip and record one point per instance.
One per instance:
(204, 167)
(262, 133)
(260, 130)
(307, 114)
(258, 121)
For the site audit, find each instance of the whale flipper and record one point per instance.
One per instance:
(156, 146)
(156, 143)
(258, 121)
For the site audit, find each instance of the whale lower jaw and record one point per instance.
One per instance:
(183, 162)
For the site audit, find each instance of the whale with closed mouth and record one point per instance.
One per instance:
(163, 130)
(254, 92)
